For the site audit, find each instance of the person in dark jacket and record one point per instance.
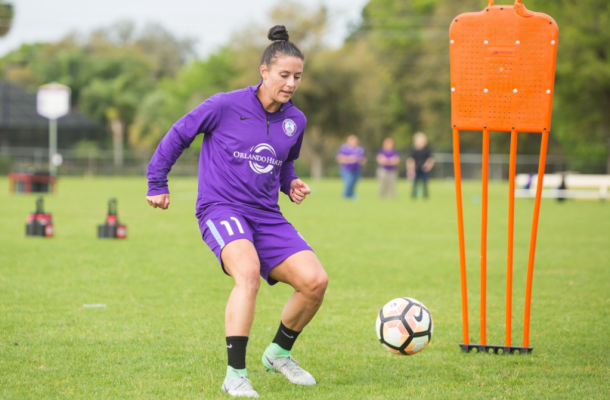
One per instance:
(419, 163)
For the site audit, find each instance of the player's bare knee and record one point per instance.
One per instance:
(249, 280)
(322, 284)
(316, 287)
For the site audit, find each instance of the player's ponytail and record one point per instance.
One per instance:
(281, 46)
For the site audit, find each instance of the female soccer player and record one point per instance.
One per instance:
(252, 137)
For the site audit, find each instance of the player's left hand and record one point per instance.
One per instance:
(298, 191)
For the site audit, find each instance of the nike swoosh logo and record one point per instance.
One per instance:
(230, 346)
(287, 335)
(242, 118)
(269, 361)
(421, 314)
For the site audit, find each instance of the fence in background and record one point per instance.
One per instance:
(100, 162)
(498, 165)
(91, 162)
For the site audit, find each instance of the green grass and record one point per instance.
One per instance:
(161, 334)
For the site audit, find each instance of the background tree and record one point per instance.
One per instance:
(175, 97)
(395, 31)
(237, 65)
(390, 77)
(115, 92)
(6, 17)
(166, 52)
(108, 71)
(581, 121)
(342, 93)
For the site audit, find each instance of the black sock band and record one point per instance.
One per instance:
(236, 347)
(285, 337)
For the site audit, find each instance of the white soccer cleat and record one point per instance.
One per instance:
(288, 367)
(239, 387)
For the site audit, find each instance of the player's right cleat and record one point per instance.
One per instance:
(238, 385)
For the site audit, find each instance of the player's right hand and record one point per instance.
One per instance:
(159, 201)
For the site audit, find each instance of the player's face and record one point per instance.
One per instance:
(388, 144)
(352, 140)
(282, 78)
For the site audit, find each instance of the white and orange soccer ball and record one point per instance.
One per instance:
(404, 326)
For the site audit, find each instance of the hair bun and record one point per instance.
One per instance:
(278, 32)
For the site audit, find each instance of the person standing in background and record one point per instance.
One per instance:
(351, 158)
(420, 163)
(387, 172)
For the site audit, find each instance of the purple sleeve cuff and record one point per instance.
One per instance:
(153, 191)
(286, 185)
(287, 175)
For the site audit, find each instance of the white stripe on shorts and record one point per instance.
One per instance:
(215, 232)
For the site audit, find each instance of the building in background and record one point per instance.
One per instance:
(21, 126)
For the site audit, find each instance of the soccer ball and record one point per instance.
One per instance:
(404, 326)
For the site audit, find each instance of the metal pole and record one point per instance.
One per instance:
(511, 235)
(462, 247)
(485, 190)
(52, 145)
(532, 254)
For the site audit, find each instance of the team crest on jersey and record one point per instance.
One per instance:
(289, 127)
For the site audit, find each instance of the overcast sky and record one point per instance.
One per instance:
(209, 22)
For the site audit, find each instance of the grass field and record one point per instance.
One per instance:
(161, 335)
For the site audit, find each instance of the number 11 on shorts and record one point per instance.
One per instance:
(227, 225)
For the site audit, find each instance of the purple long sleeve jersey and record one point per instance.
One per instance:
(247, 153)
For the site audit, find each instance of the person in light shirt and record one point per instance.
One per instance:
(387, 171)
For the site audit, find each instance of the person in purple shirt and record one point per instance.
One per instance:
(387, 172)
(251, 138)
(351, 158)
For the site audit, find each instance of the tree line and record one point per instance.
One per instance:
(389, 78)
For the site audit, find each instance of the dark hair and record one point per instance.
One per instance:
(281, 46)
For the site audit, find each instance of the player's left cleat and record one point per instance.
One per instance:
(288, 367)
(239, 387)
(237, 384)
